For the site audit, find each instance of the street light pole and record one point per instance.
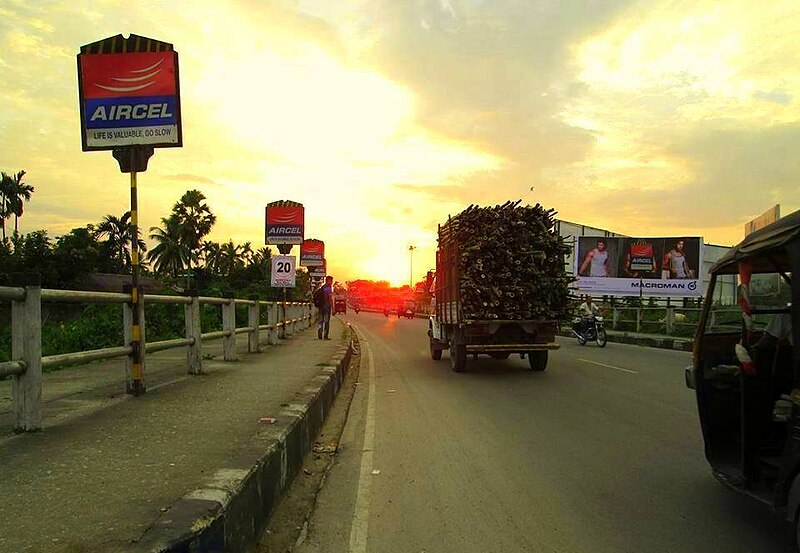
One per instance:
(411, 269)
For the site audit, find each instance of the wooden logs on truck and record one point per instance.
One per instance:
(510, 262)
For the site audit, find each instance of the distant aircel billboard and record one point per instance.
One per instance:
(129, 99)
(312, 253)
(284, 223)
(616, 266)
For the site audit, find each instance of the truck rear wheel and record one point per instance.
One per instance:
(537, 360)
(458, 357)
(436, 351)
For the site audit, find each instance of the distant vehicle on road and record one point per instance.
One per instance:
(590, 329)
(747, 380)
(339, 306)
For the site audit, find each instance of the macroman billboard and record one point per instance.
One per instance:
(618, 266)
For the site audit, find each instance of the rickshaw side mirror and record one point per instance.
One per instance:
(688, 375)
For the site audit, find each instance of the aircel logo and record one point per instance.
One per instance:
(285, 230)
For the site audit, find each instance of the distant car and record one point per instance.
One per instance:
(339, 306)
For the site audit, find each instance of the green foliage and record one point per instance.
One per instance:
(98, 326)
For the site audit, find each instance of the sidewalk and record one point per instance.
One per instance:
(643, 339)
(106, 466)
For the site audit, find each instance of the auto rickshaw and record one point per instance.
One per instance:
(747, 380)
(339, 306)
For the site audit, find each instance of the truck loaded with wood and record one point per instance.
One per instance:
(500, 285)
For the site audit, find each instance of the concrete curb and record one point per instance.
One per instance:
(662, 342)
(231, 510)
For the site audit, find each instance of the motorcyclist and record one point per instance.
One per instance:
(587, 310)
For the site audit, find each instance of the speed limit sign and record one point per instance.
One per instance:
(283, 271)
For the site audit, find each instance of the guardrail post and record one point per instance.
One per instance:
(712, 324)
(638, 319)
(614, 318)
(308, 314)
(272, 320)
(194, 353)
(26, 346)
(287, 316)
(253, 320)
(296, 316)
(670, 319)
(229, 325)
(130, 339)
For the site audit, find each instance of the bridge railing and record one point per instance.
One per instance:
(25, 367)
(671, 321)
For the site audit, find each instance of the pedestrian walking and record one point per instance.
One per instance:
(323, 300)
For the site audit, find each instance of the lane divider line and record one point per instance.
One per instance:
(360, 526)
(607, 366)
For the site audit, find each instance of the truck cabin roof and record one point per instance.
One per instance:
(765, 248)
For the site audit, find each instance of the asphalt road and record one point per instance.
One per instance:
(600, 453)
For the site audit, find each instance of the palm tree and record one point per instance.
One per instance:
(170, 256)
(230, 258)
(17, 194)
(118, 231)
(210, 253)
(196, 221)
(5, 188)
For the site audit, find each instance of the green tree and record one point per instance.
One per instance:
(5, 209)
(196, 221)
(17, 194)
(231, 258)
(78, 254)
(210, 255)
(170, 255)
(118, 232)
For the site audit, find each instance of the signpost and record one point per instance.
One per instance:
(129, 99)
(312, 253)
(284, 271)
(285, 222)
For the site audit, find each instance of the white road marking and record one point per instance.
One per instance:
(360, 526)
(608, 366)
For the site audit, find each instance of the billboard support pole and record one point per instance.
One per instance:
(137, 387)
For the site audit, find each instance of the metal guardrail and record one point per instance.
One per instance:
(670, 320)
(283, 319)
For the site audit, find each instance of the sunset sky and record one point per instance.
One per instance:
(384, 116)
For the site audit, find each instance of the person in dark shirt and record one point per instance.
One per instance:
(325, 310)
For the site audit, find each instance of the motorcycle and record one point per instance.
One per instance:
(386, 312)
(588, 329)
(409, 314)
(356, 309)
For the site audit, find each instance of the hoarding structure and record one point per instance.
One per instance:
(285, 223)
(312, 253)
(616, 266)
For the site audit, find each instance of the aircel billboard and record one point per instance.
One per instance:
(664, 266)
(312, 253)
(129, 99)
(284, 224)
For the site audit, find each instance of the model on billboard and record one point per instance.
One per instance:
(675, 264)
(596, 261)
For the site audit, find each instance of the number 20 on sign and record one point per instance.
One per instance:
(283, 271)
